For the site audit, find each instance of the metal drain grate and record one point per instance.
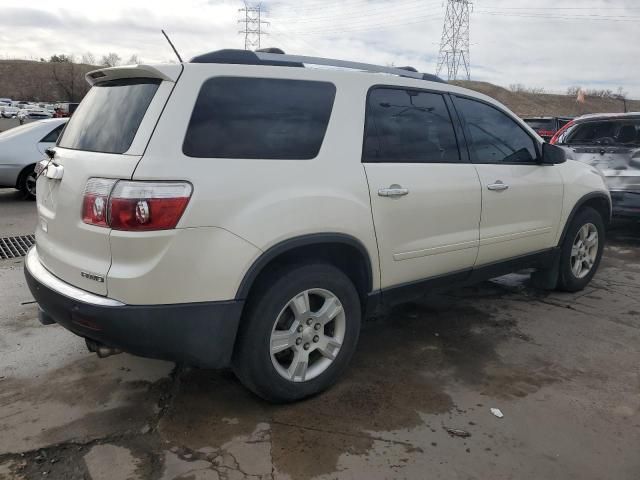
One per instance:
(14, 247)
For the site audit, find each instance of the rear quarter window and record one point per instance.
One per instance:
(108, 118)
(259, 118)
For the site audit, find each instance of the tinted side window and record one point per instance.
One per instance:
(53, 135)
(408, 126)
(259, 118)
(495, 137)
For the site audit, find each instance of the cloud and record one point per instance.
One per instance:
(512, 41)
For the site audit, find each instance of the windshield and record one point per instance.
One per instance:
(606, 132)
(109, 116)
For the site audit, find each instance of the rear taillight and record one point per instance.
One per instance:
(135, 206)
(555, 138)
(95, 201)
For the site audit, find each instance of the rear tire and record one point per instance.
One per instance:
(27, 183)
(581, 250)
(298, 333)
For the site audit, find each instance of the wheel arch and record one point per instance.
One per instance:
(599, 201)
(344, 251)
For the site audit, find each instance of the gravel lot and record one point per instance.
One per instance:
(563, 369)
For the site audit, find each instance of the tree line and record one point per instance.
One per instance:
(111, 59)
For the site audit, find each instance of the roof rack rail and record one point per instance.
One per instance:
(273, 57)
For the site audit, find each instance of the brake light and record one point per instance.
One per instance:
(555, 138)
(95, 201)
(148, 205)
(135, 206)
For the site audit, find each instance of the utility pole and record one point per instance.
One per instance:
(454, 45)
(251, 17)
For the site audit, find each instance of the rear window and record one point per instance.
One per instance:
(607, 132)
(109, 116)
(259, 118)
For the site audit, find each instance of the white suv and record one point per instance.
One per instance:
(249, 210)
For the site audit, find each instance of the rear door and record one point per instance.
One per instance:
(521, 199)
(425, 195)
(105, 139)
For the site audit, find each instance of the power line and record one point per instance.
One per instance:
(252, 19)
(594, 17)
(356, 12)
(454, 44)
(394, 19)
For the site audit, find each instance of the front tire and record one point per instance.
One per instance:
(581, 250)
(298, 333)
(27, 183)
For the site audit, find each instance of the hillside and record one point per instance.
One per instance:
(533, 104)
(43, 81)
(46, 81)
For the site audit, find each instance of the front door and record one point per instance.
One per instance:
(425, 199)
(521, 199)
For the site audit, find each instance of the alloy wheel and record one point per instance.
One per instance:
(584, 250)
(307, 335)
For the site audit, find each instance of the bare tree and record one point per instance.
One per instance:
(574, 90)
(62, 58)
(88, 58)
(111, 60)
(133, 60)
(620, 93)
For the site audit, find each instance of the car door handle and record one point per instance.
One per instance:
(393, 191)
(498, 186)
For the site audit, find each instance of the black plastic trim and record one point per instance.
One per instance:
(578, 205)
(239, 57)
(302, 241)
(412, 290)
(201, 334)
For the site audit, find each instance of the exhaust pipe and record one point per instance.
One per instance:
(101, 349)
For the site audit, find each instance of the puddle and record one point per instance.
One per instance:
(398, 377)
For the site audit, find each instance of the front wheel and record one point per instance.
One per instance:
(27, 183)
(581, 250)
(299, 332)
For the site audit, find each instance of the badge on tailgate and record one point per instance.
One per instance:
(91, 276)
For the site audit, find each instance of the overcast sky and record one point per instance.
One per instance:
(547, 43)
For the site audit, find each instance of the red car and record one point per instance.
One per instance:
(547, 127)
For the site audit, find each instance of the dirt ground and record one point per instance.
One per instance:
(415, 403)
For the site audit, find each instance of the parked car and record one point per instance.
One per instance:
(32, 112)
(9, 112)
(546, 127)
(243, 210)
(611, 143)
(21, 148)
(5, 102)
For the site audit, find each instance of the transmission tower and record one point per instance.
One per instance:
(454, 45)
(251, 17)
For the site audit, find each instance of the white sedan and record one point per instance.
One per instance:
(21, 148)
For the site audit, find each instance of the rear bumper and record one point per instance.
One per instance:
(625, 204)
(201, 334)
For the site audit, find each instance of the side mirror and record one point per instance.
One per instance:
(552, 155)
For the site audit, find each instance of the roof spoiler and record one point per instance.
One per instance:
(169, 73)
